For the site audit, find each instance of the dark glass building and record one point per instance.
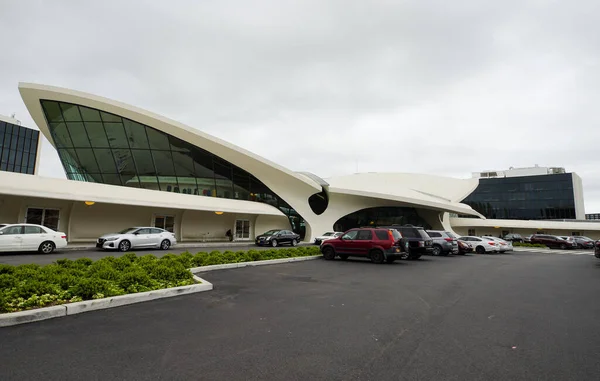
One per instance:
(537, 197)
(97, 146)
(18, 147)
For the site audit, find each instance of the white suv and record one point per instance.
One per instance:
(138, 237)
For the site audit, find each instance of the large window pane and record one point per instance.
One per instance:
(241, 181)
(126, 167)
(143, 162)
(179, 145)
(106, 162)
(69, 160)
(111, 179)
(184, 166)
(97, 135)
(164, 163)
(89, 115)
(70, 112)
(136, 134)
(223, 180)
(106, 117)
(34, 216)
(158, 140)
(60, 134)
(116, 135)
(87, 160)
(52, 111)
(78, 134)
(51, 218)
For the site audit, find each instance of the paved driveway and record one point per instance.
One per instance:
(522, 316)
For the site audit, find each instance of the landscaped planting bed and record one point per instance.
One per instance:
(524, 244)
(32, 286)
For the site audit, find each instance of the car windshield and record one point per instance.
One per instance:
(271, 232)
(397, 236)
(128, 230)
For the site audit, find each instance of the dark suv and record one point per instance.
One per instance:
(415, 240)
(552, 241)
(513, 237)
(378, 244)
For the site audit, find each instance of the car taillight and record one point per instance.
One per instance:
(491, 243)
(449, 239)
(391, 236)
(63, 236)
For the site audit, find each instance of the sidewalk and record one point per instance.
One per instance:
(81, 246)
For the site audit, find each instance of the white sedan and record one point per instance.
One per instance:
(502, 244)
(481, 245)
(329, 235)
(138, 237)
(30, 237)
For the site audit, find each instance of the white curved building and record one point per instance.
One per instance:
(128, 166)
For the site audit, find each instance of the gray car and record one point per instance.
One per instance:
(444, 243)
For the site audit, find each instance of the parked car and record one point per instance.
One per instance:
(503, 246)
(480, 244)
(326, 236)
(527, 239)
(378, 244)
(278, 237)
(513, 237)
(444, 243)
(415, 240)
(597, 249)
(584, 242)
(137, 237)
(464, 247)
(553, 241)
(30, 237)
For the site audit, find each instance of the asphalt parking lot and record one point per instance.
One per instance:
(43, 259)
(518, 316)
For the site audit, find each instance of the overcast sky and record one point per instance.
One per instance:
(438, 87)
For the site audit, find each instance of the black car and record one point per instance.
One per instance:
(415, 240)
(512, 237)
(278, 237)
(597, 249)
(583, 242)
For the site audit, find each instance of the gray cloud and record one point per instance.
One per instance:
(408, 86)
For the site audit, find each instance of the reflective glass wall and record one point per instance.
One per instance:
(380, 216)
(18, 148)
(525, 198)
(100, 147)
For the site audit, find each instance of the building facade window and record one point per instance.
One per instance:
(165, 222)
(18, 148)
(380, 216)
(242, 229)
(96, 146)
(471, 232)
(42, 216)
(543, 197)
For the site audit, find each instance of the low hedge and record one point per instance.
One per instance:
(65, 281)
(525, 244)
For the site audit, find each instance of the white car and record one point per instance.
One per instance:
(137, 237)
(504, 246)
(329, 235)
(481, 245)
(30, 237)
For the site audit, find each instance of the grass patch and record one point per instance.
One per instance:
(65, 281)
(524, 244)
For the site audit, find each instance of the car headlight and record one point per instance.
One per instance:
(267, 238)
(111, 238)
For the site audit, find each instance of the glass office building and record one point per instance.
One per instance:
(537, 197)
(96, 146)
(18, 147)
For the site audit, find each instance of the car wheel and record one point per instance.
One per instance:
(437, 250)
(294, 242)
(377, 256)
(274, 243)
(328, 254)
(165, 244)
(563, 246)
(480, 250)
(124, 245)
(46, 247)
(343, 256)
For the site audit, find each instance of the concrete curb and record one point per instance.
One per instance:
(202, 269)
(29, 316)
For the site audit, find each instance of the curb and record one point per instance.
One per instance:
(22, 317)
(253, 263)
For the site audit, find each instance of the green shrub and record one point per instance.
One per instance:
(526, 244)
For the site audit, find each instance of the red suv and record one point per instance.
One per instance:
(379, 245)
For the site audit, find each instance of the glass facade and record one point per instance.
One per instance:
(100, 147)
(381, 216)
(18, 148)
(539, 197)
